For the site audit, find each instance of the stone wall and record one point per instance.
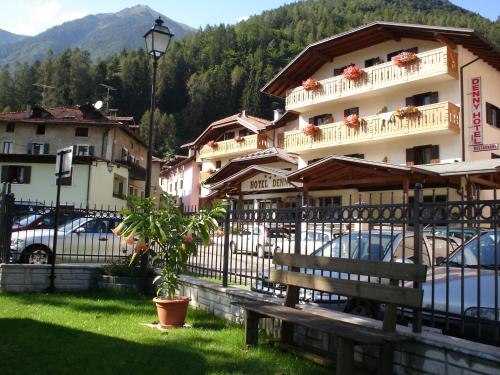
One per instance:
(427, 353)
(36, 278)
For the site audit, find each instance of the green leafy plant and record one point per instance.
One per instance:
(168, 235)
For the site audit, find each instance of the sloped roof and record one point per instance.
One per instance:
(462, 168)
(317, 54)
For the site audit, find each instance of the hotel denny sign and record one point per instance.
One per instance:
(477, 141)
(264, 181)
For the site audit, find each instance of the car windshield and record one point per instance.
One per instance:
(486, 257)
(26, 220)
(363, 246)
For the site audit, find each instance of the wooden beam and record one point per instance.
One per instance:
(482, 181)
(391, 34)
(321, 56)
(361, 181)
(443, 39)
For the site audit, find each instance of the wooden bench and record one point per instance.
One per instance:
(391, 292)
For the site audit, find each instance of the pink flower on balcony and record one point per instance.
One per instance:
(310, 130)
(352, 73)
(238, 139)
(212, 144)
(210, 171)
(351, 121)
(310, 84)
(404, 58)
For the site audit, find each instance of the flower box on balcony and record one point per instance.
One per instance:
(212, 144)
(405, 58)
(310, 84)
(238, 139)
(407, 111)
(352, 73)
(310, 130)
(352, 121)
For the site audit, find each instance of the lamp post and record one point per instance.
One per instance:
(157, 41)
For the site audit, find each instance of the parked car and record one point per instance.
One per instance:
(23, 208)
(77, 239)
(44, 219)
(257, 239)
(465, 234)
(310, 241)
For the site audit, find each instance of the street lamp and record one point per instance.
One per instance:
(157, 41)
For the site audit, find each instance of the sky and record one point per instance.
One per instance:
(30, 17)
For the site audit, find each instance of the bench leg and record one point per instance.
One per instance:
(251, 329)
(345, 357)
(386, 358)
(287, 332)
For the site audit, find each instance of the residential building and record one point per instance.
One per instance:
(109, 158)
(378, 108)
(179, 178)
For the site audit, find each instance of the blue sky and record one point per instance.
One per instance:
(31, 17)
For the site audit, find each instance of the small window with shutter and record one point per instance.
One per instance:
(81, 131)
(11, 126)
(16, 174)
(351, 111)
(422, 99)
(428, 154)
(40, 129)
(492, 115)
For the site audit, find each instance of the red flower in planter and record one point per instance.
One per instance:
(212, 144)
(310, 84)
(351, 121)
(404, 58)
(352, 73)
(310, 130)
(238, 139)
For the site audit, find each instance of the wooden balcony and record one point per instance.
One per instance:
(440, 117)
(249, 144)
(204, 175)
(437, 62)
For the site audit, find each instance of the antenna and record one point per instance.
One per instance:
(108, 97)
(44, 88)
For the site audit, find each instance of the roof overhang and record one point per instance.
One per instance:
(317, 54)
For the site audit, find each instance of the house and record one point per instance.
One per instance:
(109, 158)
(179, 178)
(374, 109)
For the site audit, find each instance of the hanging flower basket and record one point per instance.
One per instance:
(212, 144)
(352, 73)
(407, 111)
(310, 84)
(310, 130)
(238, 139)
(404, 58)
(352, 121)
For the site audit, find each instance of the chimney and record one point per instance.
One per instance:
(243, 113)
(277, 114)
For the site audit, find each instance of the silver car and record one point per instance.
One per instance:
(76, 242)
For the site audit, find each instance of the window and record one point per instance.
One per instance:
(124, 154)
(40, 129)
(428, 154)
(39, 149)
(218, 164)
(228, 136)
(326, 118)
(81, 131)
(8, 147)
(495, 156)
(422, 99)
(119, 184)
(243, 132)
(492, 115)
(373, 61)
(339, 71)
(83, 150)
(181, 184)
(351, 111)
(395, 53)
(16, 174)
(329, 201)
(11, 126)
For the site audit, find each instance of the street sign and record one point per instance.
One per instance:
(66, 155)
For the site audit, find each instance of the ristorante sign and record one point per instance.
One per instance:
(263, 182)
(477, 116)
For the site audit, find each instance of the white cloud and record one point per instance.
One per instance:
(243, 18)
(37, 16)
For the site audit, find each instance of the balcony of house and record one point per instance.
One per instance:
(233, 147)
(436, 65)
(204, 175)
(439, 118)
(136, 172)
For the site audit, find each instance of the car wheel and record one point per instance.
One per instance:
(260, 251)
(361, 308)
(37, 254)
(233, 247)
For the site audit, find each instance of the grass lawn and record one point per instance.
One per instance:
(100, 332)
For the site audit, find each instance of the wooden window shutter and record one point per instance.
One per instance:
(91, 150)
(410, 101)
(435, 154)
(46, 148)
(4, 173)
(26, 175)
(434, 97)
(30, 148)
(410, 156)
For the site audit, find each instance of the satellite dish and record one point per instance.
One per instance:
(98, 104)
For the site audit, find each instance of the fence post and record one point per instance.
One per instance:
(417, 246)
(225, 263)
(6, 206)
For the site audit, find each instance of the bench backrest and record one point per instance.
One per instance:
(392, 292)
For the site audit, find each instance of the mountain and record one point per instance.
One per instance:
(6, 37)
(100, 34)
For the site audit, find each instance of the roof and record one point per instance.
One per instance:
(269, 155)
(215, 129)
(317, 54)
(284, 119)
(462, 168)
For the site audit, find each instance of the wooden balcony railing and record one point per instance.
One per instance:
(249, 144)
(431, 63)
(433, 117)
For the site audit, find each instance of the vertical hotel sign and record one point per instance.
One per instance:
(477, 116)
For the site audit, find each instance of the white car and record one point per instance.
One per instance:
(257, 239)
(86, 239)
(310, 241)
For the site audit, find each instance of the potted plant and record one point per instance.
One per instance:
(170, 237)
(404, 58)
(310, 84)
(352, 73)
(310, 130)
(212, 144)
(352, 121)
(238, 139)
(407, 111)
(210, 171)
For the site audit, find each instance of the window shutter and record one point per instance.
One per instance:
(91, 150)
(434, 98)
(4, 173)
(410, 156)
(30, 148)
(410, 101)
(46, 148)
(26, 175)
(74, 150)
(489, 114)
(435, 154)
(346, 112)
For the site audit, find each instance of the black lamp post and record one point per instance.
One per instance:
(157, 41)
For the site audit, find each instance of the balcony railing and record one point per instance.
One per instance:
(442, 117)
(431, 63)
(249, 144)
(135, 171)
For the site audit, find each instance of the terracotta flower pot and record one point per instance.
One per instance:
(172, 312)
